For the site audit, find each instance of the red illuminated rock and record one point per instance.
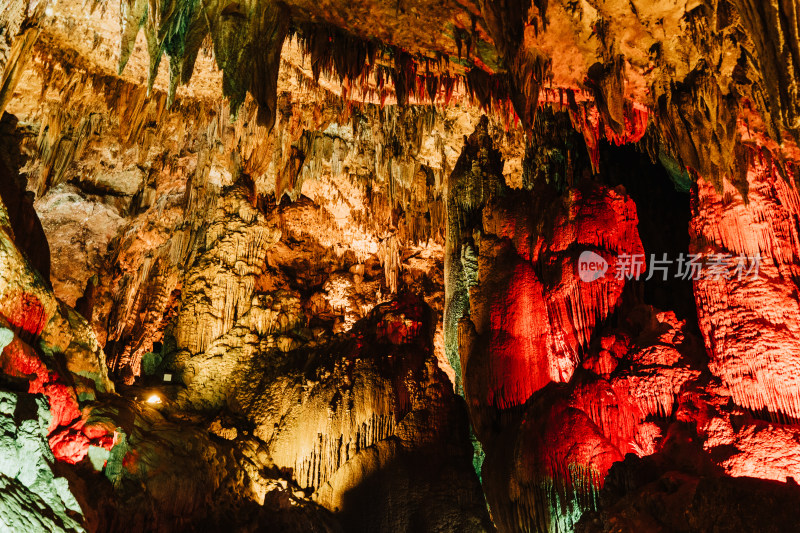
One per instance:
(530, 314)
(749, 322)
(31, 316)
(554, 458)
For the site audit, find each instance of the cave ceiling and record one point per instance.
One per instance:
(365, 265)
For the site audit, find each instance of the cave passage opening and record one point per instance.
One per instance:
(664, 213)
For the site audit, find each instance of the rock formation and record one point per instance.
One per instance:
(362, 266)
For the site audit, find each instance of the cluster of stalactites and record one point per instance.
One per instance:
(366, 69)
(247, 43)
(19, 29)
(248, 37)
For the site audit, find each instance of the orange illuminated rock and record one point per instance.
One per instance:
(749, 321)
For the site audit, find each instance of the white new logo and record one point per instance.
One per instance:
(591, 266)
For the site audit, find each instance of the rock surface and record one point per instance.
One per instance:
(253, 254)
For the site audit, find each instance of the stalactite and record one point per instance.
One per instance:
(774, 28)
(594, 125)
(334, 52)
(12, 66)
(248, 52)
(247, 43)
(333, 448)
(60, 145)
(179, 29)
(391, 262)
(708, 150)
(607, 82)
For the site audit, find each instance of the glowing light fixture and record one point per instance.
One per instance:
(154, 399)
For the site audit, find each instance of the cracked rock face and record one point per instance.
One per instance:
(368, 266)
